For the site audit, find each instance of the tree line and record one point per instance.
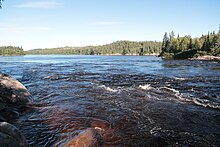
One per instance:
(11, 51)
(170, 48)
(188, 47)
(115, 48)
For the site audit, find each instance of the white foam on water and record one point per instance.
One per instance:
(145, 87)
(108, 88)
(204, 103)
(155, 130)
(171, 89)
(181, 79)
(200, 102)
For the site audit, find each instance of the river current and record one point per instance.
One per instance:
(134, 100)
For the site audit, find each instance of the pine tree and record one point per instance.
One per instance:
(141, 52)
(165, 42)
(172, 35)
(219, 29)
(190, 44)
(207, 43)
(197, 44)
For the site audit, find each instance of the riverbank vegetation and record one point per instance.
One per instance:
(188, 47)
(115, 48)
(11, 51)
(171, 48)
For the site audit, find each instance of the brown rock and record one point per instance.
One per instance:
(13, 95)
(211, 58)
(12, 91)
(10, 136)
(87, 138)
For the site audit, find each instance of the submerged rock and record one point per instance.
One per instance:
(87, 138)
(12, 91)
(10, 136)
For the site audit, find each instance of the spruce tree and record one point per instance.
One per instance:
(190, 44)
(165, 43)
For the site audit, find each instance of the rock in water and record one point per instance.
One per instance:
(12, 91)
(13, 96)
(87, 138)
(10, 136)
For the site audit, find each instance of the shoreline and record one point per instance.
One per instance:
(206, 58)
(98, 55)
(154, 54)
(202, 58)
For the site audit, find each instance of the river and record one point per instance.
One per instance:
(135, 100)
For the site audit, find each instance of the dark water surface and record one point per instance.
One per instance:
(133, 100)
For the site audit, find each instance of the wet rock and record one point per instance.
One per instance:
(87, 138)
(12, 91)
(14, 97)
(10, 136)
(9, 113)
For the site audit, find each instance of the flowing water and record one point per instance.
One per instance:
(134, 100)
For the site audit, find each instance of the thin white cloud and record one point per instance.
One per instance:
(104, 23)
(11, 28)
(43, 4)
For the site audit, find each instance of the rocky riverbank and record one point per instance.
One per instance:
(207, 58)
(14, 97)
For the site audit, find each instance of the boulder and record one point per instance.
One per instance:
(12, 91)
(13, 98)
(87, 138)
(10, 136)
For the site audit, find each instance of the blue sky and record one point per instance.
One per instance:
(57, 23)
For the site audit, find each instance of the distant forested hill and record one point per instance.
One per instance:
(11, 51)
(115, 48)
(187, 47)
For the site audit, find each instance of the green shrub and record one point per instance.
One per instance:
(167, 55)
(185, 54)
(200, 53)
